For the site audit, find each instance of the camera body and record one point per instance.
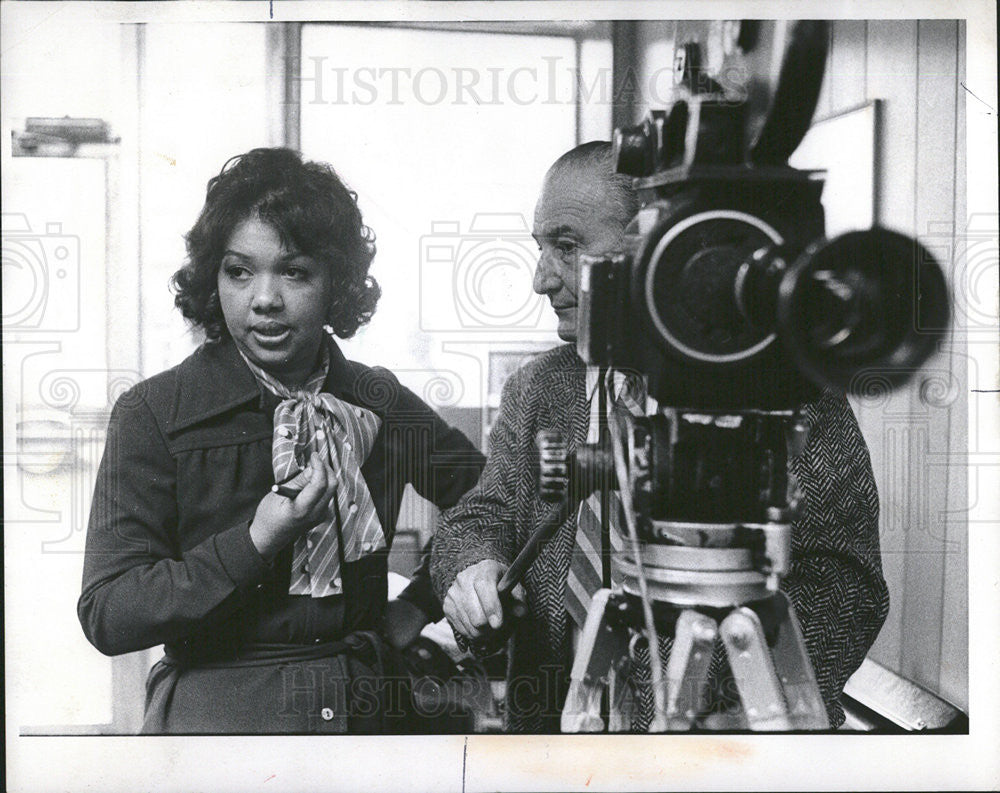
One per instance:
(730, 302)
(680, 303)
(726, 294)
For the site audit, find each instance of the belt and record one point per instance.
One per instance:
(368, 646)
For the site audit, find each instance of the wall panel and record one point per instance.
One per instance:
(954, 678)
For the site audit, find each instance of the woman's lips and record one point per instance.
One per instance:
(270, 335)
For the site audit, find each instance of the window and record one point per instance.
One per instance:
(445, 134)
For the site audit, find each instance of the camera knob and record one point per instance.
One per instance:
(634, 149)
(553, 466)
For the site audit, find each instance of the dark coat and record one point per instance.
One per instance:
(835, 583)
(169, 558)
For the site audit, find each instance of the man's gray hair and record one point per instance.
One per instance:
(596, 156)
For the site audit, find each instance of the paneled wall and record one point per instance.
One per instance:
(918, 435)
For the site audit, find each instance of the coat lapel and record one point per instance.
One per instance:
(216, 379)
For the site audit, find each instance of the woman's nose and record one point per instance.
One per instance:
(267, 295)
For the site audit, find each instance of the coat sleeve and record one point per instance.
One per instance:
(139, 588)
(483, 525)
(445, 465)
(835, 582)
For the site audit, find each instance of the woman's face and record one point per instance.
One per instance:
(274, 301)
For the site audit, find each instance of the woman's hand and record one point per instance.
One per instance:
(280, 520)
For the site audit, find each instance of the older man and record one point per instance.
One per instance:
(835, 582)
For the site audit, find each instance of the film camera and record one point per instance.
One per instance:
(734, 308)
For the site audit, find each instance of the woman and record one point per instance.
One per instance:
(245, 504)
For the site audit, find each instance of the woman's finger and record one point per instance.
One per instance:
(312, 494)
(326, 503)
(291, 487)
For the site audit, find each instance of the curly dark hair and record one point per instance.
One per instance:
(311, 209)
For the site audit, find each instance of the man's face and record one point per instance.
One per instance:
(576, 214)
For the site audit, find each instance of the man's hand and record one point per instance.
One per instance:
(472, 602)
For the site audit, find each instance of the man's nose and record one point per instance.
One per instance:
(267, 295)
(546, 280)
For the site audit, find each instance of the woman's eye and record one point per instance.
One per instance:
(296, 273)
(236, 271)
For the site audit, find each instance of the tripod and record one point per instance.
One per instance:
(774, 679)
(710, 530)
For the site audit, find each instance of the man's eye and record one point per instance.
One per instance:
(566, 247)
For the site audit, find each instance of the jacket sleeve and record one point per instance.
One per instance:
(419, 591)
(139, 588)
(445, 465)
(835, 582)
(483, 525)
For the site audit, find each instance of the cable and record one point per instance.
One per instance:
(659, 722)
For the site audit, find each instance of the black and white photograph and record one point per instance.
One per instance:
(523, 395)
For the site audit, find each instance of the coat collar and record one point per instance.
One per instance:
(216, 379)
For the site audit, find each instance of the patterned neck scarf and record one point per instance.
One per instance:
(306, 421)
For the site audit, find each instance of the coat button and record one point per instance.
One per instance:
(347, 445)
(284, 432)
(352, 508)
(327, 714)
(359, 412)
(337, 582)
(367, 547)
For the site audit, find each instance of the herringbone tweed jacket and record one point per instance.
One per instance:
(835, 583)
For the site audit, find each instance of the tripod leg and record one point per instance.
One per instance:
(687, 669)
(620, 699)
(750, 660)
(600, 646)
(795, 672)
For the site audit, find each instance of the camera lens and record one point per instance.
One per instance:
(867, 299)
(690, 283)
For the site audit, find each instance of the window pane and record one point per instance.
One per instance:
(56, 382)
(446, 137)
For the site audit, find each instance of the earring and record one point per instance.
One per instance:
(328, 329)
